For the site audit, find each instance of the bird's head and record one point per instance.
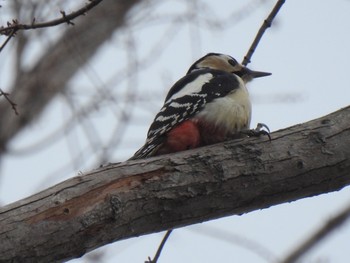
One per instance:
(226, 63)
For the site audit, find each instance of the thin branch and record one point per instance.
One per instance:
(6, 96)
(157, 255)
(318, 236)
(266, 24)
(14, 26)
(64, 19)
(10, 35)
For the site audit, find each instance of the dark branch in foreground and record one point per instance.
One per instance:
(267, 23)
(146, 196)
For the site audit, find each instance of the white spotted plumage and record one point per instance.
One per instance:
(212, 94)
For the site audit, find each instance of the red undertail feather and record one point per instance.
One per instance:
(183, 137)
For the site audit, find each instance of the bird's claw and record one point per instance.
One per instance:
(259, 130)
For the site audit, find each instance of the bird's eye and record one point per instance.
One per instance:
(232, 62)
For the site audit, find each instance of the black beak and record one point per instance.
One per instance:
(256, 74)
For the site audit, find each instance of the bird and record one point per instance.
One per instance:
(210, 104)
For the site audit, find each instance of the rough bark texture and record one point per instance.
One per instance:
(144, 196)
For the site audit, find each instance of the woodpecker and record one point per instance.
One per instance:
(210, 104)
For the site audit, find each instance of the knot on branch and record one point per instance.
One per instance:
(11, 28)
(66, 19)
(116, 206)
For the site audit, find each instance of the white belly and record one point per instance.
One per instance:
(231, 113)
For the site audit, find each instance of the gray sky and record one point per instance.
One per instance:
(307, 51)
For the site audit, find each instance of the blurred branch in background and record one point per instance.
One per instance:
(14, 26)
(34, 88)
(330, 226)
(70, 53)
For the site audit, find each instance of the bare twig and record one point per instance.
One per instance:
(266, 24)
(156, 256)
(319, 235)
(64, 19)
(14, 26)
(6, 96)
(9, 36)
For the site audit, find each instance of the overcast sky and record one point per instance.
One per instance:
(307, 51)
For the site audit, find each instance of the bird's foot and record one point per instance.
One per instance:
(259, 130)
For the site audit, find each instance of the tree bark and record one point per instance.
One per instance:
(145, 196)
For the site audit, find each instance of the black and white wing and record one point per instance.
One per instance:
(186, 98)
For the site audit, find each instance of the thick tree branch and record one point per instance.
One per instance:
(144, 196)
